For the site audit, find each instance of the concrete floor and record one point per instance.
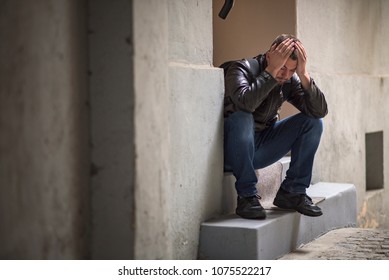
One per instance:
(345, 244)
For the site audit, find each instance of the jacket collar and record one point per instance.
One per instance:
(262, 61)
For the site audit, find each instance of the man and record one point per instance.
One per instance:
(254, 137)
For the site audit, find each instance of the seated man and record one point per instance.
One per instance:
(254, 137)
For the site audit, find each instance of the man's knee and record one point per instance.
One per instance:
(312, 124)
(317, 125)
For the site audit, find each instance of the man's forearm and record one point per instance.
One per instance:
(305, 80)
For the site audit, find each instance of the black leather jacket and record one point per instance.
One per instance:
(263, 96)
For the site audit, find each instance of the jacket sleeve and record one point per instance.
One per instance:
(310, 101)
(246, 91)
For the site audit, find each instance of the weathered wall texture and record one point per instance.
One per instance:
(152, 130)
(111, 94)
(347, 46)
(195, 115)
(176, 118)
(156, 96)
(44, 166)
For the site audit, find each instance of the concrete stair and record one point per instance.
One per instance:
(231, 237)
(269, 180)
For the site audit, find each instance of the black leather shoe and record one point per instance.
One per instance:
(302, 203)
(250, 208)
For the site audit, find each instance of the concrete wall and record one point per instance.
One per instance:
(152, 130)
(44, 166)
(348, 58)
(195, 116)
(148, 203)
(156, 119)
(152, 141)
(111, 91)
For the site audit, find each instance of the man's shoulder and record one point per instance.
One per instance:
(238, 63)
(250, 65)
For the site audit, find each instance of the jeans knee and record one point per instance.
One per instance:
(314, 125)
(310, 124)
(318, 125)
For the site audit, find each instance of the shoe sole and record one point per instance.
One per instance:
(310, 214)
(252, 215)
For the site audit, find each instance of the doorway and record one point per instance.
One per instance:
(249, 29)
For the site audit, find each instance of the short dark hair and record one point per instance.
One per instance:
(282, 38)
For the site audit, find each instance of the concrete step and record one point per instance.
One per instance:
(269, 180)
(231, 237)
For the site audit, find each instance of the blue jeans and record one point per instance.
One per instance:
(246, 150)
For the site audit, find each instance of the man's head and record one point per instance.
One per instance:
(290, 66)
(279, 39)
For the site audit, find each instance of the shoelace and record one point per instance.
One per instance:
(252, 197)
(308, 199)
(255, 196)
(252, 200)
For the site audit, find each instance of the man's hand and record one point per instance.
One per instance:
(277, 56)
(301, 65)
(301, 59)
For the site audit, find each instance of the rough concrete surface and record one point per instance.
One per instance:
(345, 244)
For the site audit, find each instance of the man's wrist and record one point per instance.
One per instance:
(305, 80)
(303, 74)
(271, 71)
(266, 75)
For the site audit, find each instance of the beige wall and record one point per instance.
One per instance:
(250, 28)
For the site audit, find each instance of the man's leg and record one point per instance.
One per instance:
(239, 151)
(238, 156)
(301, 135)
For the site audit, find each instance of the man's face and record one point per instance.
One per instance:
(286, 71)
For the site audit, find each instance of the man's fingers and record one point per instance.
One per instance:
(301, 50)
(286, 47)
(283, 45)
